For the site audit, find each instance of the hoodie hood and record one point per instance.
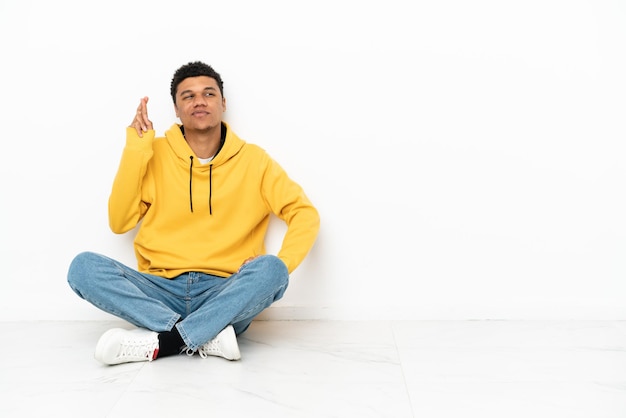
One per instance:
(230, 146)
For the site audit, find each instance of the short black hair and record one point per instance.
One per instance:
(194, 69)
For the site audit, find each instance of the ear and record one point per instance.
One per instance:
(176, 110)
(223, 104)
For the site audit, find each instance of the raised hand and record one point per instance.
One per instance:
(141, 123)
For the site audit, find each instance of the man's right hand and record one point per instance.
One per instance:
(141, 123)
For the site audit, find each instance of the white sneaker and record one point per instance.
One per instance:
(119, 345)
(223, 345)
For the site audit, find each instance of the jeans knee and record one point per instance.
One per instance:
(267, 270)
(277, 268)
(80, 265)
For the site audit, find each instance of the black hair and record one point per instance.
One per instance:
(194, 69)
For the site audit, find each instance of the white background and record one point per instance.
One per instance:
(466, 157)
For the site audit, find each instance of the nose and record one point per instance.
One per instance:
(199, 100)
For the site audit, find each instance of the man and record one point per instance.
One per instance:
(202, 198)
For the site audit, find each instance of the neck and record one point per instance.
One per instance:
(204, 143)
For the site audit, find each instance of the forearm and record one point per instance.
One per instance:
(302, 228)
(126, 207)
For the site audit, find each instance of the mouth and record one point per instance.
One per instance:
(200, 113)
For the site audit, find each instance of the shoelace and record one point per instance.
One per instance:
(210, 347)
(204, 350)
(138, 349)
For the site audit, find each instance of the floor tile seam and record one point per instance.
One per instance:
(402, 371)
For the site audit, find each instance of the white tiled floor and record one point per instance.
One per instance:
(317, 369)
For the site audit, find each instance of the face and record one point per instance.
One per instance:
(199, 104)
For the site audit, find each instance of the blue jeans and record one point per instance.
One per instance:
(204, 304)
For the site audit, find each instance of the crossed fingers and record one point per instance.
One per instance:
(141, 123)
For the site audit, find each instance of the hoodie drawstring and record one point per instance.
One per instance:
(210, 188)
(190, 176)
(210, 185)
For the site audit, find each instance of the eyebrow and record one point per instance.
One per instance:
(190, 91)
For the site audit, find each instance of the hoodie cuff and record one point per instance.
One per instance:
(134, 141)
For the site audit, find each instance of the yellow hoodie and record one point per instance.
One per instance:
(207, 218)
